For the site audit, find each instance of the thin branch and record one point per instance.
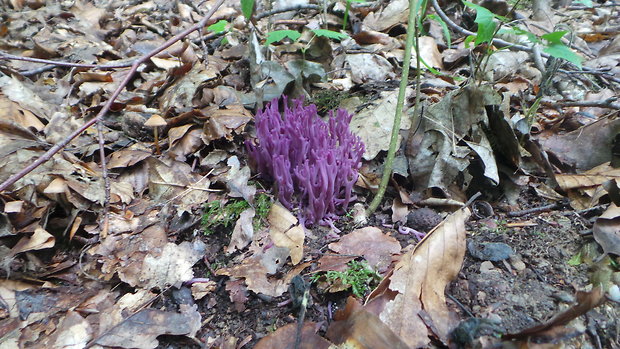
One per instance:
(9, 57)
(106, 107)
(286, 9)
(606, 103)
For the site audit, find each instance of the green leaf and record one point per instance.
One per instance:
(468, 40)
(247, 8)
(564, 52)
(218, 27)
(484, 19)
(329, 34)
(575, 260)
(279, 35)
(555, 37)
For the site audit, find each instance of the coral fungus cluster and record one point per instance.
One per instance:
(313, 163)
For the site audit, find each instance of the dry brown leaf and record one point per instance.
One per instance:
(399, 211)
(419, 280)
(330, 262)
(72, 332)
(146, 260)
(284, 337)
(188, 144)
(370, 242)
(585, 189)
(591, 178)
(141, 330)
(201, 289)
(394, 13)
(243, 231)
(255, 275)
(13, 112)
(127, 157)
(285, 231)
(428, 52)
(41, 239)
(13, 206)
(20, 93)
(606, 230)
(238, 293)
(360, 329)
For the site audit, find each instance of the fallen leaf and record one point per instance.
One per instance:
(362, 330)
(285, 231)
(242, 232)
(41, 239)
(142, 329)
(238, 293)
(371, 243)
(606, 230)
(417, 284)
(284, 337)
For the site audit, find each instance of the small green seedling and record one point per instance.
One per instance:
(360, 277)
(217, 214)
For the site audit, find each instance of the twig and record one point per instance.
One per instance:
(9, 57)
(538, 209)
(106, 107)
(286, 9)
(606, 103)
(106, 181)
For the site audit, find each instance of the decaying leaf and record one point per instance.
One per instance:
(371, 243)
(141, 329)
(438, 156)
(418, 282)
(373, 124)
(585, 189)
(606, 230)
(243, 231)
(360, 329)
(284, 337)
(285, 231)
(147, 260)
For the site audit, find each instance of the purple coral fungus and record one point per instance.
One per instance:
(313, 163)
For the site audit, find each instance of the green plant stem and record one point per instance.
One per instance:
(389, 161)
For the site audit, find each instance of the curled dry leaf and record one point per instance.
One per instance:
(358, 328)
(285, 231)
(243, 231)
(284, 337)
(418, 282)
(606, 230)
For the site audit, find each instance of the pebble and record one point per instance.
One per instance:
(517, 263)
(490, 251)
(487, 267)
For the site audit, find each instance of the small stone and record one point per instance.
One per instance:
(517, 263)
(494, 318)
(564, 297)
(490, 251)
(487, 267)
